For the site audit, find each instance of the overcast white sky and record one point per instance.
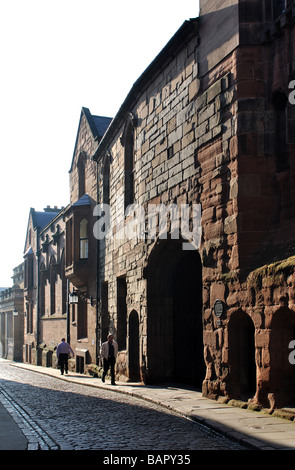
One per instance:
(57, 56)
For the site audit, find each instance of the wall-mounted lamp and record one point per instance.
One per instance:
(15, 312)
(74, 298)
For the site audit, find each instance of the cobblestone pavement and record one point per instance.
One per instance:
(55, 414)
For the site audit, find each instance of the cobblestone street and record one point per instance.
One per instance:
(56, 414)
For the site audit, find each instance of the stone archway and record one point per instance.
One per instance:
(281, 386)
(241, 353)
(174, 319)
(133, 347)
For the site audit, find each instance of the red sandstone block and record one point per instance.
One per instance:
(210, 338)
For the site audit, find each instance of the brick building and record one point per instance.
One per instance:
(207, 125)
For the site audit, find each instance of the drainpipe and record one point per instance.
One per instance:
(68, 313)
(98, 310)
(6, 335)
(38, 294)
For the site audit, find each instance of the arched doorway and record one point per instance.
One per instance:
(282, 371)
(133, 349)
(175, 333)
(241, 349)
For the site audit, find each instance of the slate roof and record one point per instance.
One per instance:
(83, 201)
(41, 219)
(101, 124)
(98, 126)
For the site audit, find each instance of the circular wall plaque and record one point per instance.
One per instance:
(218, 308)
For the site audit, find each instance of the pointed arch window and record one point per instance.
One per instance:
(52, 280)
(42, 289)
(81, 174)
(64, 283)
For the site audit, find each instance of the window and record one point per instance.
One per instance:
(42, 289)
(52, 287)
(29, 271)
(82, 319)
(105, 319)
(69, 242)
(121, 312)
(278, 7)
(63, 286)
(127, 141)
(84, 239)
(129, 169)
(280, 101)
(106, 181)
(9, 325)
(29, 314)
(81, 174)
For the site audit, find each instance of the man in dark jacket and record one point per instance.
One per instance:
(62, 353)
(109, 351)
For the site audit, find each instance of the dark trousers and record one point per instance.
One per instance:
(63, 362)
(109, 363)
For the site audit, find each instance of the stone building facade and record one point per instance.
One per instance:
(247, 349)
(37, 263)
(81, 246)
(209, 123)
(52, 288)
(148, 158)
(179, 235)
(12, 317)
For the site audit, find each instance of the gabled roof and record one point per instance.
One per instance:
(41, 219)
(97, 124)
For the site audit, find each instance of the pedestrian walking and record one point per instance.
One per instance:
(109, 351)
(62, 353)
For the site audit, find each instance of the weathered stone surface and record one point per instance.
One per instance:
(204, 125)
